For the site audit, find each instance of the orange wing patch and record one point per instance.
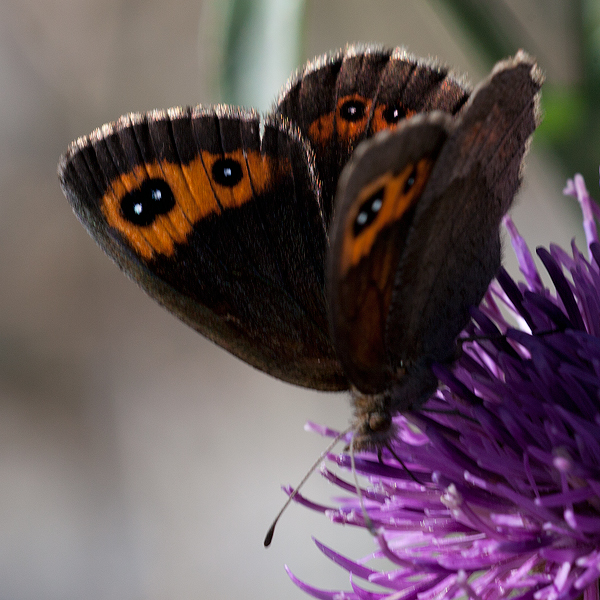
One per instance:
(379, 205)
(351, 118)
(388, 116)
(184, 194)
(321, 130)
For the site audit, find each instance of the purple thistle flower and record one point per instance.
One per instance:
(502, 494)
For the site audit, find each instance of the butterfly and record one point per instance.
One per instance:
(336, 244)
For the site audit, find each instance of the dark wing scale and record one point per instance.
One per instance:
(471, 188)
(392, 84)
(297, 228)
(309, 95)
(226, 276)
(423, 89)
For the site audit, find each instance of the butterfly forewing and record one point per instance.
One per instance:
(222, 227)
(374, 211)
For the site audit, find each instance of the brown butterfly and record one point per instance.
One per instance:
(236, 227)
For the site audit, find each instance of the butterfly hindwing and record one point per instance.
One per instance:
(221, 225)
(341, 99)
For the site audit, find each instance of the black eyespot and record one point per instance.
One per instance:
(352, 110)
(141, 207)
(368, 211)
(410, 181)
(394, 113)
(227, 172)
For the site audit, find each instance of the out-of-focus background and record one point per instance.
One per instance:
(138, 460)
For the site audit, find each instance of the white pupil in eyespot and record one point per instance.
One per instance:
(137, 209)
(362, 217)
(227, 171)
(376, 204)
(156, 194)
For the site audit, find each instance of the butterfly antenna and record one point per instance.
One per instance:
(410, 473)
(500, 335)
(271, 532)
(368, 521)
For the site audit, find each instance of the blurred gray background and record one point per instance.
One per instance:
(138, 460)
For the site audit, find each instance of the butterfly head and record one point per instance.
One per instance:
(373, 426)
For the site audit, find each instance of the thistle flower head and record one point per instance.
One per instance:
(501, 495)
